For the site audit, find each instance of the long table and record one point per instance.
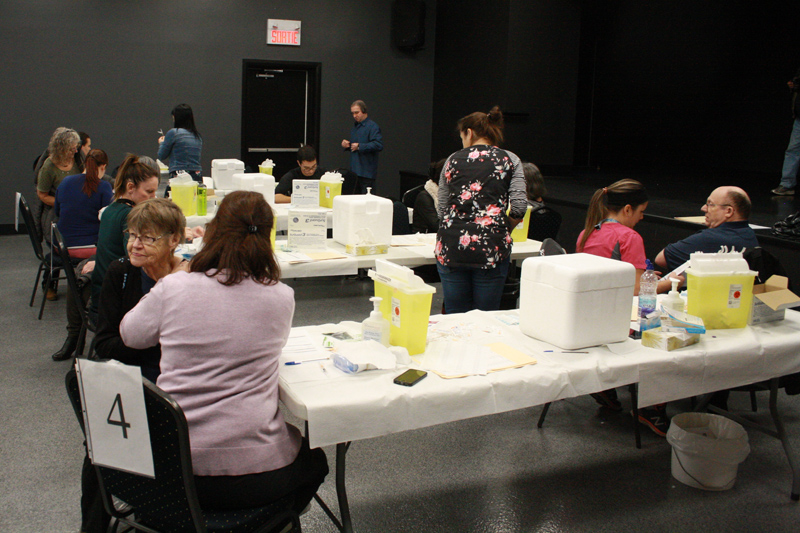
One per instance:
(281, 217)
(411, 256)
(345, 408)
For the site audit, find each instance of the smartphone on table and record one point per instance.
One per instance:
(410, 377)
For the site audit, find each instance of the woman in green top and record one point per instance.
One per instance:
(59, 164)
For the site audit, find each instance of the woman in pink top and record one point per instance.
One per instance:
(222, 327)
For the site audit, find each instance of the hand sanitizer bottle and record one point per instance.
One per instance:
(376, 327)
(673, 300)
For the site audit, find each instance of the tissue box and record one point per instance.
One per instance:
(668, 340)
(353, 213)
(771, 299)
(222, 171)
(576, 300)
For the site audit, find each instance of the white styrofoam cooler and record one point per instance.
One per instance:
(352, 213)
(576, 300)
(256, 182)
(222, 171)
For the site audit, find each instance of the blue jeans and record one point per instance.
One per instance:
(791, 161)
(466, 288)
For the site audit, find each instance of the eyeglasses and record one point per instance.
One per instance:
(146, 240)
(710, 204)
(310, 169)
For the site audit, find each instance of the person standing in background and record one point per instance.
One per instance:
(364, 144)
(182, 144)
(791, 160)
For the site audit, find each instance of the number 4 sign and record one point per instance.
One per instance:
(117, 435)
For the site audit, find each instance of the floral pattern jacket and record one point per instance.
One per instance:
(477, 187)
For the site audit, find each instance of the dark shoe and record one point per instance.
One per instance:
(67, 350)
(780, 190)
(608, 399)
(655, 418)
(52, 295)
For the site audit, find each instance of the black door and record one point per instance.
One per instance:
(280, 112)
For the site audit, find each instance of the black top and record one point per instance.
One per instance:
(426, 219)
(122, 290)
(284, 186)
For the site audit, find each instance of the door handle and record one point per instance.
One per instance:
(262, 150)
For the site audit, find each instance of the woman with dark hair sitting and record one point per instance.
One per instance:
(426, 204)
(220, 362)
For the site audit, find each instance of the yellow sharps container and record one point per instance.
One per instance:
(719, 289)
(405, 303)
(520, 233)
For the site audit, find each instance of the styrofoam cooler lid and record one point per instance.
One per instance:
(578, 272)
(225, 164)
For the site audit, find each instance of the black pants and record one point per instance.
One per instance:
(301, 479)
(74, 320)
(94, 518)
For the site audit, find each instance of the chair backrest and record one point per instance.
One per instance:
(169, 501)
(30, 225)
(551, 247)
(350, 183)
(544, 224)
(69, 271)
(400, 223)
(766, 264)
(410, 196)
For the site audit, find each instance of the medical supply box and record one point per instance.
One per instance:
(576, 300)
(362, 219)
(771, 299)
(405, 303)
(719, 289)
(222, 171)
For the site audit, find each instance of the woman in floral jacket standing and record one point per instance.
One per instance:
(478, 186)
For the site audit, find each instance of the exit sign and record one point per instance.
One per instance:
(283, 32)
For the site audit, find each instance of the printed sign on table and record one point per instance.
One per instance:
(308, 229)
(117, 434)
(305, 193)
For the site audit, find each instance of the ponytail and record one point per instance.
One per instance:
(94, 160)
(611, 199)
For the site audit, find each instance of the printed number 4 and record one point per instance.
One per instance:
(121, 422)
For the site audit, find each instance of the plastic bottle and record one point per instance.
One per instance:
(375, 327)
(673, 300)
(648, 284)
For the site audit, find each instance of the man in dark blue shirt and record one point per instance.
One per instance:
(727, 210)
(364, 144)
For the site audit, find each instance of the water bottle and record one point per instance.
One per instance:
(648, 284)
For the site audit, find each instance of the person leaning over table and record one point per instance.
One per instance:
(726, 212)
(477, 186)
(182, 144)
(222, 327)
(155, 228)
(307, 169)
(608, 232)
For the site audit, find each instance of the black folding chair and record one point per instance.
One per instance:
(74, 290)
(48, 265)
(168, 503)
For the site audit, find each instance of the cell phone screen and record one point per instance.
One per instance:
(410, 377)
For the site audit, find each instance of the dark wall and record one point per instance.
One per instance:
(521, 55)
(116, 69)
(694, 87)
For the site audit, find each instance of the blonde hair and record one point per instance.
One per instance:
(61, 145)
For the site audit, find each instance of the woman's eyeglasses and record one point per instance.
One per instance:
(147, 240)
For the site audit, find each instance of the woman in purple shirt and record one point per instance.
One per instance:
(222, 327)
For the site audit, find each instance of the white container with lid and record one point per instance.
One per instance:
(576, 300)
(352, 213)
(222, 171)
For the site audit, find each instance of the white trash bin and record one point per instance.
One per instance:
(706, 450)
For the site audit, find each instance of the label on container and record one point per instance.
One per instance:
(396, 312)
(371, 334)
(735, 296)
(327, 191)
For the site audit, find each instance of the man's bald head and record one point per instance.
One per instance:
(726, 204)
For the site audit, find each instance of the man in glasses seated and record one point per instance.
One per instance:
(726, 212)
(307, 169)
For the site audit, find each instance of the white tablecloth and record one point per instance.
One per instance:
(352, 407)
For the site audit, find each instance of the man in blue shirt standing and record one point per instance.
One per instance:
(364, 144)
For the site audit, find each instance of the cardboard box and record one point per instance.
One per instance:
(771, 299)
(668, 340)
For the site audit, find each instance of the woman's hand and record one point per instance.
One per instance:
(87, 268)
(161, 139)
(194, 233)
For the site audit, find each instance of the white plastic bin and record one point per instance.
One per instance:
(706, 450)
(362, 212)
(222, 171)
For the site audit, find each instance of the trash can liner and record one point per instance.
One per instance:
(713, 437)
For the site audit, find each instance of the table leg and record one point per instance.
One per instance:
(341, 490)
(781, 431)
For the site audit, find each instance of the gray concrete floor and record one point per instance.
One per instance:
(580, 472)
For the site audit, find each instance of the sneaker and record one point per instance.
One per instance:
(654, 418)
(608, 399)
(52, 295)
(780, 190)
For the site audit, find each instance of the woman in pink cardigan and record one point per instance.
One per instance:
(222, 327)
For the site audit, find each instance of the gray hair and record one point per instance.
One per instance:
(61, 144)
